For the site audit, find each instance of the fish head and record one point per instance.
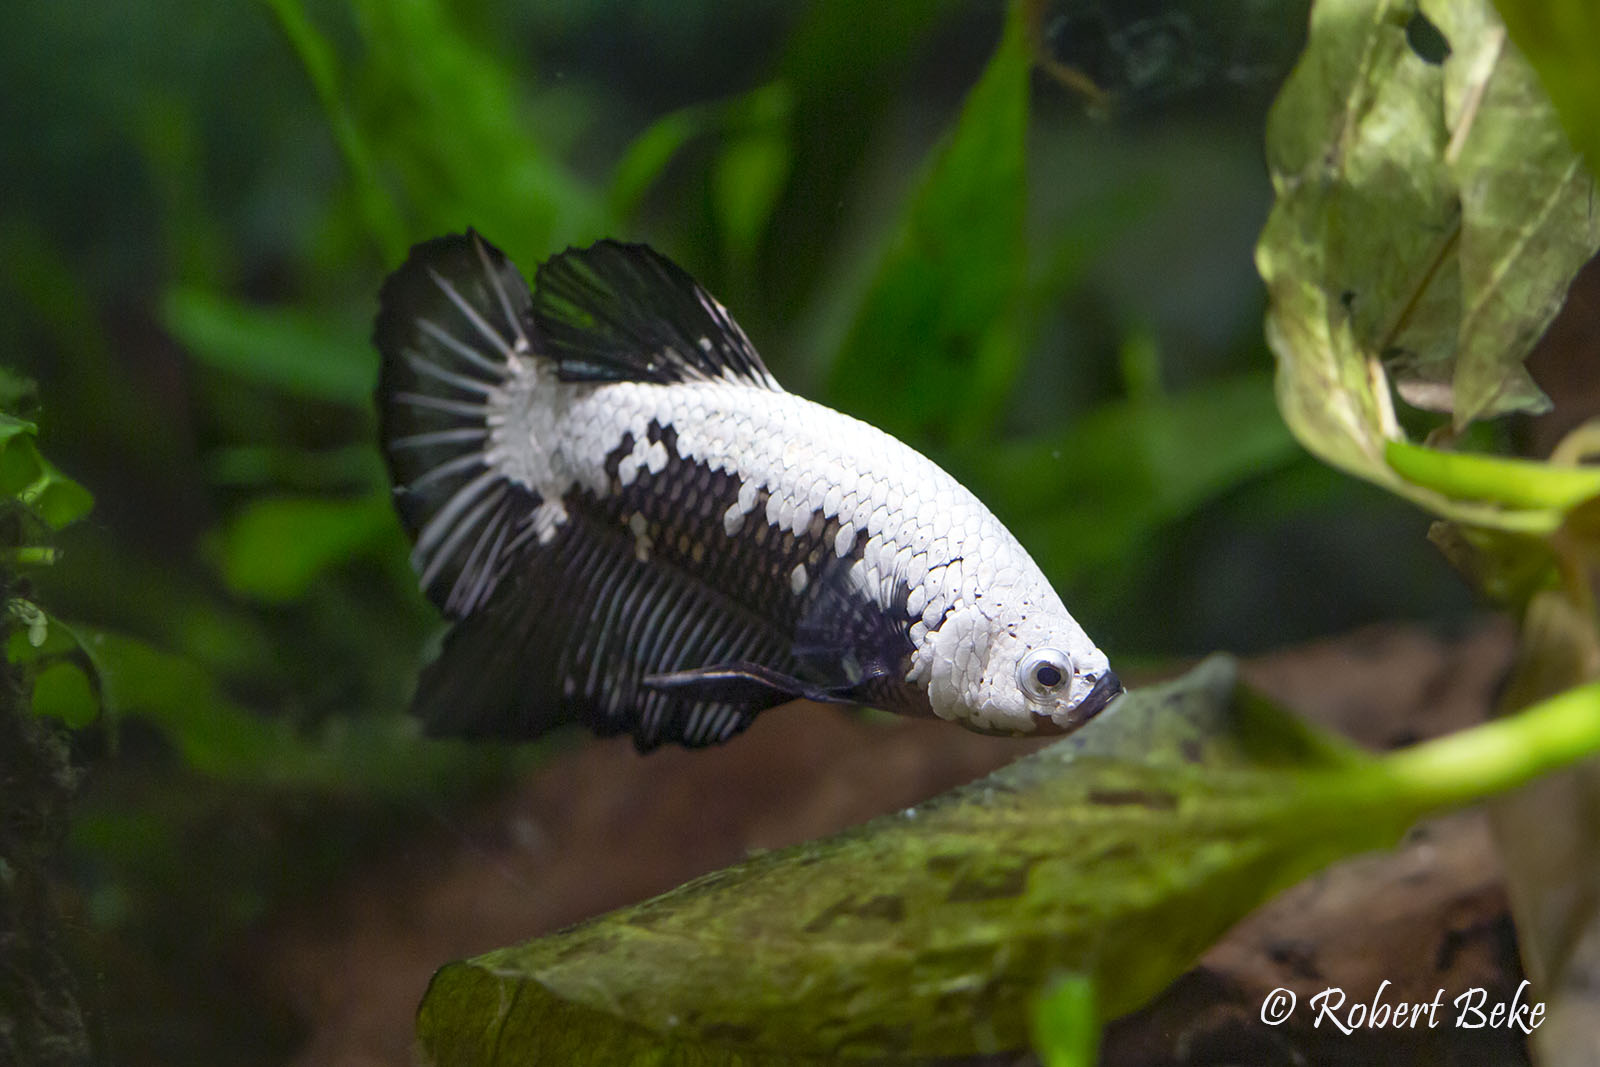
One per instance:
(1018, 665)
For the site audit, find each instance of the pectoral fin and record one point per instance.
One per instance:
(751, 684)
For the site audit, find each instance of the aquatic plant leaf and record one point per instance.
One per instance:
(275, 547)
(20, 462)
(1429, 218)
(450, 120)
(746, 177)
(321, 64)
(1558, 37)
(844, 66)
(57, 499)
(62, 691)
(935, 342)
(1120, 472)
(1116, 854)
(1528, 218)
(650, 153)
(300, 354)
(180, 699)
(36, 482)
(430, 119)
(749, 173)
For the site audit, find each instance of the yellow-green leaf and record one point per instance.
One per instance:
(1429, 218)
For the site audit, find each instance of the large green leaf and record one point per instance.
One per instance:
(1117, 854)
(298, 353)
(1558, 37)
(275, 547)
(1429, 218)
(1527, 210)
(435, 116)
(1080, 497)
(844, 66)
(1113, 857)
(936, 342)
(30, 478)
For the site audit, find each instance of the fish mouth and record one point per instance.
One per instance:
(1107, 689)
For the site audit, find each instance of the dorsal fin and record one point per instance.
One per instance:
(622, 312)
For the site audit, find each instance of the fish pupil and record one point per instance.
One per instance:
(1047, 676)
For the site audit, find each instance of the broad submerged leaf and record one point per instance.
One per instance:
(936, 339)
(1558, 37)
(295, 353)
(1528, 218)
(274, 548)
(1430, 215)
(35, 481)
(1117, 855)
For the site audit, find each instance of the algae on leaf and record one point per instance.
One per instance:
(1109, 860)
(1430, 215)
(1117, 854)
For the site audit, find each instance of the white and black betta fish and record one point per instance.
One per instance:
(636, 528)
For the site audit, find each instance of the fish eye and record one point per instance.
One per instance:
(1043, 672)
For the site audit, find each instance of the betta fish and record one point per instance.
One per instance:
(633, 526)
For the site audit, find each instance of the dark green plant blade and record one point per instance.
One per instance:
(936, 341)
(1114, 476)
(295, 352)
(378, 756)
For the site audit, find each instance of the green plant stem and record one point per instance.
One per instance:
(1500, 755)
(1515, 483)
(1066, 1028)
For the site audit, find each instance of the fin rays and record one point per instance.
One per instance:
(452, 536)
(460, 381)
(441, 437)
(441, 404)
(460, 348)
(450, 327)
(500, 292)
(489, 333)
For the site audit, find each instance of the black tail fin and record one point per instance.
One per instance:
(453, 324)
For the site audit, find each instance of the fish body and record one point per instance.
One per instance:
(635, 527)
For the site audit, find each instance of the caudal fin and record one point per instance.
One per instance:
(454, 324)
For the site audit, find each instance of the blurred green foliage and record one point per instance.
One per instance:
(209, 196)
(41, 1016)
